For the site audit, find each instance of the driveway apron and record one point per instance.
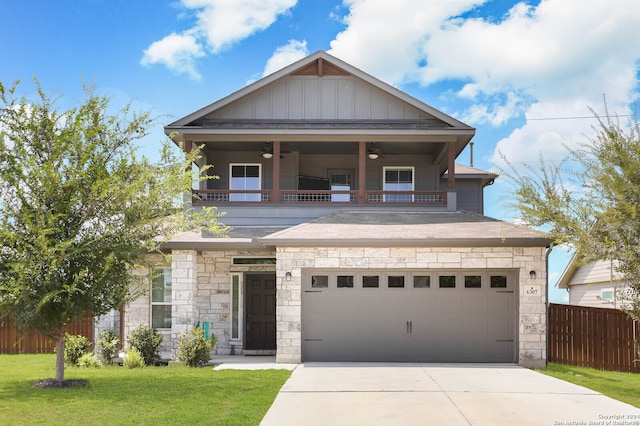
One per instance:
(438, 394)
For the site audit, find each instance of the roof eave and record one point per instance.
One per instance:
(424, 242)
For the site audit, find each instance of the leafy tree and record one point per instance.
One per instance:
(79, 208)
(593, 206)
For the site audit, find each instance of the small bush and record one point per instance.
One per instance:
(89, 360)
(194, 348)
(74, 348)
(147, 340)
(133, 359)
(108, 343)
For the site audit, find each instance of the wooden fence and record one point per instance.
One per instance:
(606, 339)
(13, 342)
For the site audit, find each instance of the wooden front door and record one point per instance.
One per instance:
(260, 321)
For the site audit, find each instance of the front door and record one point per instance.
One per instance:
(260, 321)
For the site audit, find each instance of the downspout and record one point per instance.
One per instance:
(546, 303)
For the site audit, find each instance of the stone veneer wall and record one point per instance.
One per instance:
(201, 292)
(532, 292)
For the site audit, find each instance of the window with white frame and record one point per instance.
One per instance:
(161, 297)
(607, 294)
(398, 179)
(245, 177)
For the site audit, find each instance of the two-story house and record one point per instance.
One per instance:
(355, 235)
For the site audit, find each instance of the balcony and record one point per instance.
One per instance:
(307, 197)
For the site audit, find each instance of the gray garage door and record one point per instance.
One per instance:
(409, 316)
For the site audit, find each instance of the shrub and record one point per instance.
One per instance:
(74, 348)
(133, 359)
(89, 360)
(147, 340)
(194, 348)
(108, 342)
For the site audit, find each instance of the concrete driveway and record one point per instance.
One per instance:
(438, 394)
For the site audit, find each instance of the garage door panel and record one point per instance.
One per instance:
(421, 324)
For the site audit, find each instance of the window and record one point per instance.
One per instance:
(447, 281)
(345, 281)
(398, 179)
(254, 260)
(235, 306)
(498, 281)
(245, 177)
(606, 295)
(421, 281)
(319, 281)
(370, 281)
(161, 298)
(472, 281)
(395, 281)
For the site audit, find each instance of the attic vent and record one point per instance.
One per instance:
(320, 67)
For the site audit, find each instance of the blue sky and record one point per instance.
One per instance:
(520, 72)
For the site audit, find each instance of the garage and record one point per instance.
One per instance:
(409, 316)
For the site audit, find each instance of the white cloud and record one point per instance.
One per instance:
(552, 60)
(285, 55)
(219, 24)
(177, 52)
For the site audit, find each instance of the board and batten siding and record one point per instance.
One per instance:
(319, 98)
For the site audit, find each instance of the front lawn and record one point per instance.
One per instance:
(624, 387)
(118, 396)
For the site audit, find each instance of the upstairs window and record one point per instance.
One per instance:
(245, 177)
(398, 179)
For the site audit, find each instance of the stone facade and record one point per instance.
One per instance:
(201, 292)
(201, 289)
(531, 291)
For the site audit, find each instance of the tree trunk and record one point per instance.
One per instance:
(60, 357)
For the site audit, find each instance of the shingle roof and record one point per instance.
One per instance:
(386, 228)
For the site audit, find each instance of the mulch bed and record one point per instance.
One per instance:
(53, 383)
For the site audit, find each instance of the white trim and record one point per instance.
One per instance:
(240, 336)
(247, 197)
(384, 178)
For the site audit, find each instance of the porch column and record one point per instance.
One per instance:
(451, 178)
(452, 202)
(184, 313)
(361, 198)
(276, 197)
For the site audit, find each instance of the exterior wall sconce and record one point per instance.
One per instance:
(267, 155)
(532, 275)
(287, 276)
(373, 155)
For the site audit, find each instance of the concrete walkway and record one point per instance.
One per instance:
(437, 394)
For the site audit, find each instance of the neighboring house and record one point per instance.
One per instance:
(595, 284)
(349, 240)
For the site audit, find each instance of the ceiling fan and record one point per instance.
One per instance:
(267, 152)
(374, 153)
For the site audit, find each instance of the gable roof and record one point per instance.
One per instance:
(598, 272)
(362, 108)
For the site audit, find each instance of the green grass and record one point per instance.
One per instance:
(148, 396)
(624, 387)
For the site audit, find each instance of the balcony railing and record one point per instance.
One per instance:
(221, 196)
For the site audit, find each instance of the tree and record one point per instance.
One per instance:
(79, 208)
(592, 207)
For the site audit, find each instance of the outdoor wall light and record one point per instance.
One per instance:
(268, 155)
(373, 155)
(532, 275)
(287, 276)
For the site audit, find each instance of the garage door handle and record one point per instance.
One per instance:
(409, 327)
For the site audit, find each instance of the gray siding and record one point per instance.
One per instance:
(320, 98)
